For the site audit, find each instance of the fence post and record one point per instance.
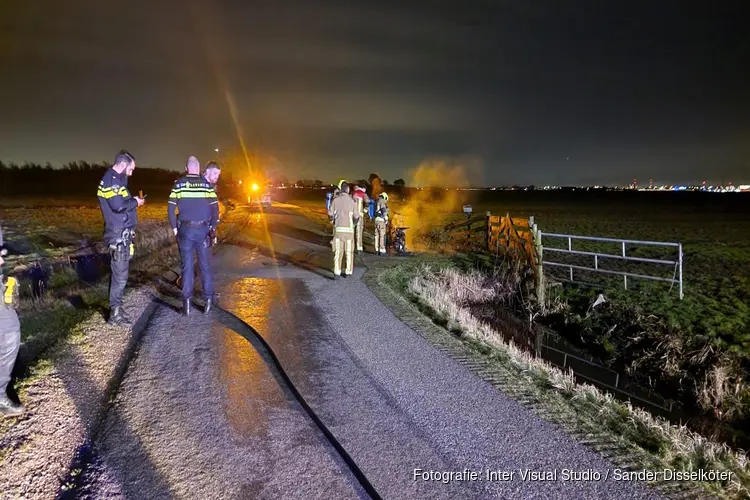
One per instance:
(680, 261)
(488, 233)
(625, 276)
(536, 236)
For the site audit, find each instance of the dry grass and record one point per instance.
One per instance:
(449, 293)
(43, 232)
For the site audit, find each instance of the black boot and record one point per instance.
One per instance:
(209, 305)
(125, 315)
(10, 409)
(117, 318)
(186, 307)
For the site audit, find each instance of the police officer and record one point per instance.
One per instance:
(10, 342)
(343, 215)
(120, 218)
(212, 173)
(198, 211)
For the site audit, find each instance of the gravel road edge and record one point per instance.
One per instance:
(67, 400)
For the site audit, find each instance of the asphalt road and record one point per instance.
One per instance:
(201, 414)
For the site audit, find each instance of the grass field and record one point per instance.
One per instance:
(35, 229)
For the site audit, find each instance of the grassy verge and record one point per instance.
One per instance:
(631, 437)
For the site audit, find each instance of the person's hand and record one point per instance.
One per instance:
(2, 261)
(174, 230)
(140, 200)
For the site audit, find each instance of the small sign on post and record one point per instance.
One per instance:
(467, 209)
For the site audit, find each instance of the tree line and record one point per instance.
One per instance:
(80, 179)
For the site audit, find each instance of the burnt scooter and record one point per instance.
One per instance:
(398, 240)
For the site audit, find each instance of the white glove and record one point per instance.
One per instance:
(174, 230)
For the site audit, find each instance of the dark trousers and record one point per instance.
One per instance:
(10, 341)
(119, 278)
(192, 240)
(119, 269)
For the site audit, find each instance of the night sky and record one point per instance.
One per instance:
(542, 92)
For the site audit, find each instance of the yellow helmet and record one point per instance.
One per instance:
(340, 183)
(384, 195)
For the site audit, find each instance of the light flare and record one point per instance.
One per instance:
(204, 22)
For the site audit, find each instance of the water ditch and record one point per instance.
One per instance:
(550, 346)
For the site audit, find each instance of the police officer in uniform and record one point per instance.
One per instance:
(10, 342)
(120, 218)
(197, 208)
(212, 173)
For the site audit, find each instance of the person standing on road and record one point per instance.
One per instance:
(120, 220)
(10, 342)
(212, 173)
(362, 200)
(381, 222)
(343, 214)
(193, 209)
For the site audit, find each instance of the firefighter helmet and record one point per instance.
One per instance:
(384, 195)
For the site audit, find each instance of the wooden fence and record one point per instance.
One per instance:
(503, 237)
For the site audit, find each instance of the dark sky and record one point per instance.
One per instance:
(542, 92)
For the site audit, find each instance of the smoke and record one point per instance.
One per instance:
(377, 188)
(433, 197)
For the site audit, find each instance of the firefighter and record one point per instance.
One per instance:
(120, 219)
(343, 214)
(10, 340)
(362, 201)
(198, 211)
(381, 223)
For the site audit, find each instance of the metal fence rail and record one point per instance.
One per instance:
(622, 256)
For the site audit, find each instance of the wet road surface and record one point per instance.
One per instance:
(201, 414)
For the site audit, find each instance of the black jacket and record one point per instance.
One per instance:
(118, 207)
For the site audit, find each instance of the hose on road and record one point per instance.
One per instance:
(257, 341)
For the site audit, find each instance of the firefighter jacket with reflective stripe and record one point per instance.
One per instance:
(343, 210)
(195, 199)
(381, 210)
(118, 207)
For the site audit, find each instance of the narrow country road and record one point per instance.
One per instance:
(202, 413)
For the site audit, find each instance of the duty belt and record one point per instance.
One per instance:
(194, 222)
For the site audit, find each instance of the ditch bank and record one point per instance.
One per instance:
(634, 439)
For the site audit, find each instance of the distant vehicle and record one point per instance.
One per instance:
(258, 197)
